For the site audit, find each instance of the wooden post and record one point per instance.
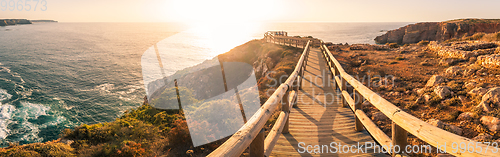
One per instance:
(342, 89)
(399, 137)
(257, 145)
(358, 99)
(286, 108)
(301, 74)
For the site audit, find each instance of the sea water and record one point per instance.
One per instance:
(60, 75)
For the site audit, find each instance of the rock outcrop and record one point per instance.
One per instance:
(492, 123)
(492, 61)
(464, 49)
(438, 31)
(3, 23)
(490, 100)
(6, 22)
(434, 80)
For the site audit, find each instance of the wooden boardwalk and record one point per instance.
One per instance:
(319, 118)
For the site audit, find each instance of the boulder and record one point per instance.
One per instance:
(436, 123)
(454, 70)
(469, 72)
(465, 116)
(427, 97)
(483, 137)
(463, 99)
(479, 91)
(442, 91)
(379, 116)
(421, 91)
(470, 85)
(440, 124)
(490, 100)
(447, 62)
(434, 80)
(420, 100)
(454, 129)
(492, 123)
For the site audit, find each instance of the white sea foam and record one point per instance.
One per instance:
(105, 87)
(6, 111)
(4, 95)
(21, 115)
(31, 110)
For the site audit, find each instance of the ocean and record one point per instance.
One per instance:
(55, 76)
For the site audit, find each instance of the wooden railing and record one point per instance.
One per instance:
(402, 122)
(251, 134)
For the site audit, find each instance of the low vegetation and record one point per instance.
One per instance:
(148, 131)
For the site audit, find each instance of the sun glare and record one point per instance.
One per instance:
(222, 11)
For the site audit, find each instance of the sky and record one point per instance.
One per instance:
(199, 11)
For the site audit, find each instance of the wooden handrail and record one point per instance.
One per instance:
(432, 135)
(239, 141)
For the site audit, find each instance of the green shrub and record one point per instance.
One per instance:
(52, 148)
(423, 43)
(392, 62)
(400, 58)
(456, 85)
(435, 100)
(476, 36)
(452, 102)
(411, 106)
(392, 45)
(453, 115)
(451, 40)
(440, 107)
(477, 112)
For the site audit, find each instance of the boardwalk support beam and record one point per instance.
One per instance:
(257, 145)
(399, 137)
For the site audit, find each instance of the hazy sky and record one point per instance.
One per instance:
(256, 10)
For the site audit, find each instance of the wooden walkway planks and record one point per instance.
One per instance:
(319, 118)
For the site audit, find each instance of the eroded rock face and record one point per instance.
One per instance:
(6, 22)
(470, 85)
(437, 31)
(3, 23)
(454, 70)
(379, 116)
(482, 137)
(465, 116)
(492, 61)
(463, 49)
(434, 80)
(478, 91)
(442, 91)
(492, 123)
(448, 127)
(490, 100)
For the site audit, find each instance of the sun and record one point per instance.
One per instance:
(221, 11)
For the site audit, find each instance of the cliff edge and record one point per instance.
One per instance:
(439, 31)
(6, 22)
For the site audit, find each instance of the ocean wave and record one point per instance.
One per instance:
(107, 87)
(5, 116)
(27, 121)
(4, 95)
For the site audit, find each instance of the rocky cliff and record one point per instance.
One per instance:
(439, 31)
(6, 22)
(3, 23)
